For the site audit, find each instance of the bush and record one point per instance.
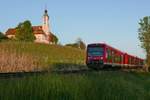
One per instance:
(2, 36)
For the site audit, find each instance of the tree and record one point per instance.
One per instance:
(144, 37)
(2, 36)
(54, 39)
(78, 44)
(24, 32)
(81, 44)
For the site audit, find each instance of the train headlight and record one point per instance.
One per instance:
(101, 58)
(89, 58)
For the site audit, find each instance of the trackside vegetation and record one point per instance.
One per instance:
(25, 56)
(103, 85)
(144, 37)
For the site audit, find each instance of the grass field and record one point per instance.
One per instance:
(103, 85)
(21, 56)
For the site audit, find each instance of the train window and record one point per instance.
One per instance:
(141, 63)
(95, 51)
(112, 52)
(130, 60)
(118, 58)
(106, 53)
(122, 58)
(113, 56)
(109, 56)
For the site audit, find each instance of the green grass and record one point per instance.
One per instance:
(103, 85)
(44, 56)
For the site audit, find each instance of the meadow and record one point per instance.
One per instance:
(94, 85)
(26, 57)
(102, 85)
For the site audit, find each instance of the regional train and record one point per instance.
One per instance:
(100, 55)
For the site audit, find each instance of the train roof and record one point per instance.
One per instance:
(104, 44)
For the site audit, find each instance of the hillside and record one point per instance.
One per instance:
(20, 56)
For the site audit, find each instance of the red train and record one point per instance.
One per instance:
(100, 55)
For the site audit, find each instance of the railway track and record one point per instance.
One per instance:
(62, 71)
(72, 71)
(19, 74)
(26, 74)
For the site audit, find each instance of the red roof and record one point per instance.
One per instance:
(11, 31)
(36, 30)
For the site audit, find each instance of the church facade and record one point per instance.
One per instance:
(42, 33)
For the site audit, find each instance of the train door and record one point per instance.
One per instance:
(113, 56)
(109, 56)
(125, 59)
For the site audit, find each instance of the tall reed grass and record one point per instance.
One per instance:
(22, 56)
(14, 62)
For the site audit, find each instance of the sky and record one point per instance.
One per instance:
(114, 22)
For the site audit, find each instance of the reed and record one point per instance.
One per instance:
(22, 56)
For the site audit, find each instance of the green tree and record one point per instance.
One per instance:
(24, 32)
(54, 39)
(81, 44)
(144, 37)
(78, 44)
(2, 36)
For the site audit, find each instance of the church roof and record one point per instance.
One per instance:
(36, 30)
(11, 31)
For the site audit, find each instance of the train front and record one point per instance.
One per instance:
(95, 55)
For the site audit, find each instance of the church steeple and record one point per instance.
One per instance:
(45, 26)
(46, 13)
(45, 10)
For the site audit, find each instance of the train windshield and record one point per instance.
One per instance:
(95, 51)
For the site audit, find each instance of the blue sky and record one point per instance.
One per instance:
(114, 22)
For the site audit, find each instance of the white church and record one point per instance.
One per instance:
(42, 33)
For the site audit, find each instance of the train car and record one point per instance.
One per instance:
(114, 57)
(95, 55)
(131, 61)
(140, 62)
(100, 55)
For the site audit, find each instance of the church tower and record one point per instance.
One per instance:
(45, 26)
